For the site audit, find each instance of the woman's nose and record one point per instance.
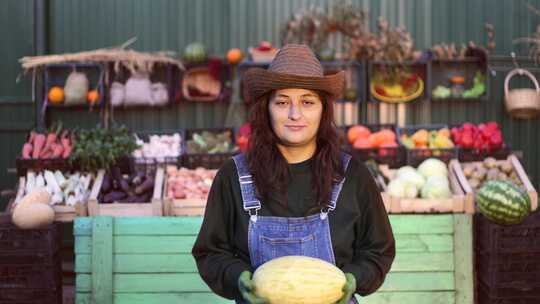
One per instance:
(294, 111)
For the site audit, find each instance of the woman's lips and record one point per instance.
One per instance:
(295, 128)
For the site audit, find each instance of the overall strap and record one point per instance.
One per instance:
(336, 189)
(247, 187)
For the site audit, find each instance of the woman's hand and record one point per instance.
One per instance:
(348, 289)
(247, 287)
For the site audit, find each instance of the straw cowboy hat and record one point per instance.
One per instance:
(295, 66)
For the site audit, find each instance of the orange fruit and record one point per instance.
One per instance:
(234, 56)
(92, 96)
(356, 132)
(56, 95)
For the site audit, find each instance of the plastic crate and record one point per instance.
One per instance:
(206, 160)
(149, 161)
(470, 155)
(507, 260)
(31, 296)
(57, 74)
(418, 155)
(13, 240)
(393, 157)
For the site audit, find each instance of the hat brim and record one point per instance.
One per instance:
(258, 82)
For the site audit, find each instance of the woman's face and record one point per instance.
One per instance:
(295, 115)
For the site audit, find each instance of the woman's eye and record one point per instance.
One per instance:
(309, 102)
(281, 102)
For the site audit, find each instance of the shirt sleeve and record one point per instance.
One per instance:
(374, 248)
(214, 251)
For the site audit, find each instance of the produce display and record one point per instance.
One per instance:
(485, 137)
(99, 148)
(503, 202)
(76, 91)
(425, 139)
(361, 137)
(137, 187)
(211, 142)
(56, 143)
(479, 173)
(476, 90)
(158, 147)
(299, 279)
(189, 184)
(64, 188)
(429, 181)
(396, 86)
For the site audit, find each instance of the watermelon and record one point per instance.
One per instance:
(503, 202)
(195, 53)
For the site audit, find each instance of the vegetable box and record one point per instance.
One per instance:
(457, 203)
(465, 183)
(152, 207)
(74, 192)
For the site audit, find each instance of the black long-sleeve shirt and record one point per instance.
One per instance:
(361, 234)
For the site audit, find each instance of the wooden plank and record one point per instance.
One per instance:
(419, 281)
(192, 282)
(145, 226)
(102, 244)
(422, 224)
(457, 178)
(525, 180)
(423, 262)
(159, 298)
(142, 263)
(463, 256)
(142, 244)
(423, 243)
(432, 297)
(93, 207)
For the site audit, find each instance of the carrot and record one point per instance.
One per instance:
(32, 137)
(46, 155)
(39, 142)
(57, 150)
(26, 150)
(67, 151)
(64, 139)
(51, 139)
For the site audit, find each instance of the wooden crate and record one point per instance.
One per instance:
(184, 207)
(458, 203)
(518, 168)
(148, 260)
(138, 260)
(62, 213)
(152, 208)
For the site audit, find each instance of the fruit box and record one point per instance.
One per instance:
(152, 208)
(154, 161)
(457, 168)
(206, 160)
(458, 203)
(181, 207)
(394, 157)
(417, 155)
(62, 213)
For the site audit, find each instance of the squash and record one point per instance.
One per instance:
(92, 97)
(36, 196)
(299, 279)
(234, 56)
(33, 216)
(56, 95)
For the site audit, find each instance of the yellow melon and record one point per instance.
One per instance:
(299, 280)
(33, 216)
(36, 196)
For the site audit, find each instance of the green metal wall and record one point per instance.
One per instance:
(75, 25)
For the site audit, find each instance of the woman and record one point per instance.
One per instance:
(293, 192)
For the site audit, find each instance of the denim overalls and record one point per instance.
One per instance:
(270, 237)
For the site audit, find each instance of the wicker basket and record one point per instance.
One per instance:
(401, 99)
(200, 79)
(522, 103)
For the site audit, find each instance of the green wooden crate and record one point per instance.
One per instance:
(148, 260)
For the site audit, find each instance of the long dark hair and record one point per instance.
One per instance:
(270, 169)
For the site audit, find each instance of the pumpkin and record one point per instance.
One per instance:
(234, 56)
(56, 95)
(92, 97)
(195, 53)
(299, 279)
(32, 216)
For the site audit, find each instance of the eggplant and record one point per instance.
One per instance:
(121, 181)
(138, 178)
(106, 185)
(146, 186)
(111, 197)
